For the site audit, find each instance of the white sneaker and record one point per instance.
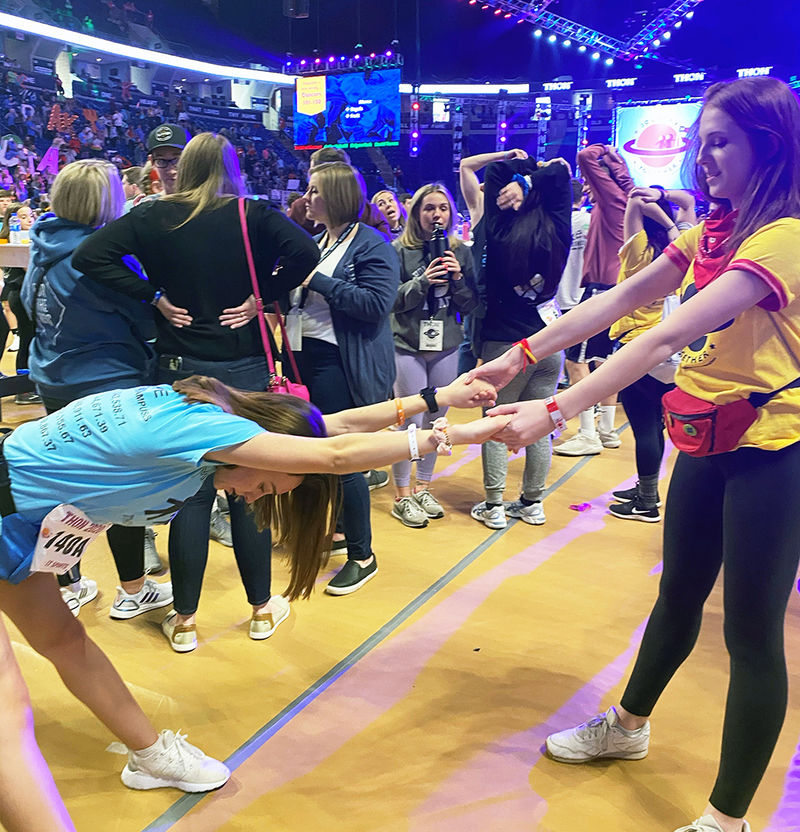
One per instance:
(533, 514)
(75, 599)
(14, 345)
(182, 638)
(220, 528)
(708, 824)
(492, 518)
(152, 561)
(263, 624)
(429, 504)
(172, 762)
(410, 513)
(609, 439)
(579, 445)
(151, 596)
(601, 737)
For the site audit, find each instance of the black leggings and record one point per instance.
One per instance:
(642, 403)
(739, 509)
(25, 329)
(126, 542)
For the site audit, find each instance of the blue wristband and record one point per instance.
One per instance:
(157, 297)
(521, 181)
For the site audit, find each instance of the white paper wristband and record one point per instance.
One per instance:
(413, 445)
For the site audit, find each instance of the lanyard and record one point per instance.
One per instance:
(325, 254)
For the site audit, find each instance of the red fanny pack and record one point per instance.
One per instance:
(700, 428)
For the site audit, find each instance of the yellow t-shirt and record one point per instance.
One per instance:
(758, 351)
(633, 257)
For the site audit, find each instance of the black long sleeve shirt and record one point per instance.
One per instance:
(200, 266)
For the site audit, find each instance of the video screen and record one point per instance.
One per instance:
(352, 109)
(652, 140)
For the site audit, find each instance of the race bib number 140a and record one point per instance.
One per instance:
(63, 537)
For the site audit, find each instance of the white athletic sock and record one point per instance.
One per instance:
(606, 420)
(587, 422)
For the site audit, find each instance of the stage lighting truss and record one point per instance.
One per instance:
(320, 65)
(644, 44)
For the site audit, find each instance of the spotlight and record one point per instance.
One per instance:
(581, 48)
(356, 57)
(595, 56)
(689, 15)
(567, 43)
(552, 39)
(537, 33)
(316, 60)
(388, 53)
(415, 105)
(609, 61)
(415, 134)
(414, 149)
(303, 62)
(503, 139)
(678, 24)
(498, 11)
(331, 59)
(503, 125)
(372, 54)
(667, 35)
(506, 15)
(656, 42)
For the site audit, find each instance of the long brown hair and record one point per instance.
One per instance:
(769, 113)
(304, 519)
(208, 175)
(413, 236)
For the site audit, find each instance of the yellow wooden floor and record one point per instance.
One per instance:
(421, 702)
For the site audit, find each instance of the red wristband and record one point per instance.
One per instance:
(530, 358)
(555, 414)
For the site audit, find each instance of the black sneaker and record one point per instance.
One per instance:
(376, 479)
(351, 577)
(636, 510)
(630, 494)
(27, 398)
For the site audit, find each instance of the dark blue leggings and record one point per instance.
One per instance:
(321, 369)
(739, 510)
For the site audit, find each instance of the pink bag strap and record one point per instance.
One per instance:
(262, 319)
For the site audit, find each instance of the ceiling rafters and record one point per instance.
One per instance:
(639, 46)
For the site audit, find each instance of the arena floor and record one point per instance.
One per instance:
(421, 702)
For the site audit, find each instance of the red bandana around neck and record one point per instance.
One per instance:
(712, 257)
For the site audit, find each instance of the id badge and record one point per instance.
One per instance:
(431, 335)
(549, 311)
(294, 329)
(63, 537)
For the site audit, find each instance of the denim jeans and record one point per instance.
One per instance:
(321, 369)
(188, 533)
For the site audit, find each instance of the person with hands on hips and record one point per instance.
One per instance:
(437, 279)
(734, 491)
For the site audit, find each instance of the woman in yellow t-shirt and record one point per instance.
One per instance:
(737, 327)
(649, 227)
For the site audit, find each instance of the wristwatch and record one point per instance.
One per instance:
(429, 394)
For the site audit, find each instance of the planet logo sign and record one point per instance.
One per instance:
(652, 140)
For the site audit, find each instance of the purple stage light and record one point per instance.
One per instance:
(388, 53)
(303, 62)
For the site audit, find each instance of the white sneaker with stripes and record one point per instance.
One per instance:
(151, 596)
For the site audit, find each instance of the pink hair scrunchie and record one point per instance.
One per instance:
(444, 446)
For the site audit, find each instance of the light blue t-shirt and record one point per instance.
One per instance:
(126, 456)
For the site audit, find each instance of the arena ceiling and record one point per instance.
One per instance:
(459, 41)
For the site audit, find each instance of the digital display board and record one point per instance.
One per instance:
(352, 109)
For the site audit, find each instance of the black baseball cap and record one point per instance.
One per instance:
(167, 135)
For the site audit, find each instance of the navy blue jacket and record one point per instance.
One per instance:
(88, 338)
(360, 294)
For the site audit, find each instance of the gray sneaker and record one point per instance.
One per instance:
(708, 824)
(492, 518)
(599, 738)
(429, 504)
(152, 561)
(532, 514)
(410, 513)
(220, 528)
